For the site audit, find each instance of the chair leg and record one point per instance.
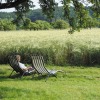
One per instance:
(55, 75)
(22, 75)
(11, 73)
(47, 77)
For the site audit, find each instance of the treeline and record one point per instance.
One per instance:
(7, 25)
(34, 15)
(35, 20)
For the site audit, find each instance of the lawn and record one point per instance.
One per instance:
(77, 83)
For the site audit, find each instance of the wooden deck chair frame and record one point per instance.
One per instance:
(38, 64)
(15, 65)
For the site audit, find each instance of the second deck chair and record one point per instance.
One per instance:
(15, 65)
(38, 64)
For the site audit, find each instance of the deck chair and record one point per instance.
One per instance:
(15, 65)
(38, 64)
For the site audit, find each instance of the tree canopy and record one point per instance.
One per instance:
(81, 14)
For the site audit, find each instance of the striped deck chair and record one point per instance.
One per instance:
(15, 65)
(38, 64)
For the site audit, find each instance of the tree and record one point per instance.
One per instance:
(27, 24)
(48, 7)
(60, 24)
(6, 25)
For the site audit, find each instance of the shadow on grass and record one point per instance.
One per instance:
(41, 77)
(7, 78)
(16, 77)
(3, 78)
(32, 76)
(35, 77)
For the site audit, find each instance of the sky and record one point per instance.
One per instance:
(35, 3)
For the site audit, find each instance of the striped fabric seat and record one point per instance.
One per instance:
(38, 64)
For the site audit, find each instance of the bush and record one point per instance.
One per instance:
(43, 25)
(34, 26)
(6, 25)
(60, 24)
(37, 25)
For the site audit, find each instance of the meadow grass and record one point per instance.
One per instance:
(57, 46)
(78, 83)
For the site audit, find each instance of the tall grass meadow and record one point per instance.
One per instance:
(57, 46)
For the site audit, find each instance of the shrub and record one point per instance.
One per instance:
(26, 25)
(34, 26)
(43, 25)
(60, 24)
(6, 25)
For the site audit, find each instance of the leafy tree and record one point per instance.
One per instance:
(36, 15)
(37, 25)
(34, 26)
(43, 25)
(60, 24)
(6, 15)
(6, 24)
(27, 23)
(48, 8)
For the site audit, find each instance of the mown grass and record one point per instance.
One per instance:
(78, 83)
